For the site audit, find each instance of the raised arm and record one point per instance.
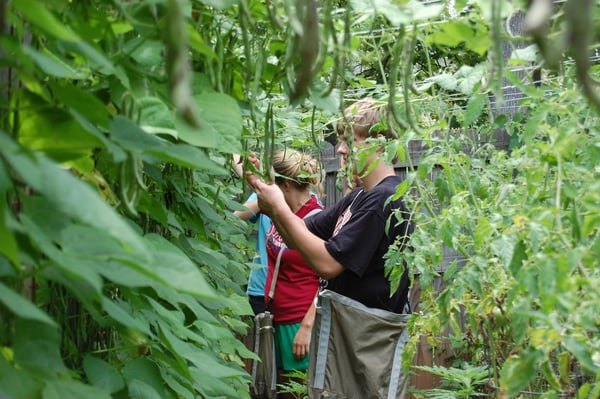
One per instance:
(292, 228)
(251, 210)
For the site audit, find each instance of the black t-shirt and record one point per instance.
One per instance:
(355, 235)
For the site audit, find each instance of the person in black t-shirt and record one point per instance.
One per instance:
(345, 244)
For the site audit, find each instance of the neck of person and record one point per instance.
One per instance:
(296, 198)
(377, 174)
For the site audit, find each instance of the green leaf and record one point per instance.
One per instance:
(469, 77)
(528, 54)
(71, 389)
(422, 11)
(535, 120)
(220, 4)
(519, 255)
(147, 53)
(454, 32)
(213, 386)
(51, 64)
(582, 351)
(154, 112)
(505, 10)
(117, 312)
(133, 138)
(83, 102)
(17, 384)
(71, 268)
(144, 370)
(517, 372)
(140, 390)
(221, 123)
(213, 365)
(445, 81)
(53, 131)
(474, 108)
(97, 59)
(450, 33)
(181, 272)
(37, 348)
(94, 250)
(102, 375)
(395, 14)
(197, 43)
(69, 195)
(330, 103)
(9, 247)
(36, 13)
(23, 308)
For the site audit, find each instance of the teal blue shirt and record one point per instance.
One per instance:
(257, 278)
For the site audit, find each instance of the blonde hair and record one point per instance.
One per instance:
(297, 167)
(362, 116)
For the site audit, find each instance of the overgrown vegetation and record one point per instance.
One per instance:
(121, 268)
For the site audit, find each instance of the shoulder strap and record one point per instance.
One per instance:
(313, 212)
(278, 261)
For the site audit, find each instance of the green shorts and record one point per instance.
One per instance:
(284, 348)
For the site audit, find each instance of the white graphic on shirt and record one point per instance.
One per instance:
(274, 240)
(344, 216)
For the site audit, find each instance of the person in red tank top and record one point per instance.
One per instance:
(298, 175)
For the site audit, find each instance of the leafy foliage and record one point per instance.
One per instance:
(121, 267)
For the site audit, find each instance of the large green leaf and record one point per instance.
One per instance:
(53, 131)
(17, 383)
(517, 372)
(146, 371)
(140, 390)
(9, 244)
(95, 57)
(83, 102)
(213, 365)
(221, 123)
(212, 386)
(23, 308)
(95, 250)
(37, 348)
(154, 112)
(116, 310)
(70, 267)
(397, 15)
(176, 269)
(69, 195)
(148, 53)
(133, 138)
(52, 65)
(454, 32)
(102, 375)
(71, 389)
(475, 108)
(580, 347)
(36, 13)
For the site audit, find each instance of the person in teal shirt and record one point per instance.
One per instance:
(257, 277)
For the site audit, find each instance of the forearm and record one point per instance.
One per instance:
(296, 235)
(251, 210)
(309, 318)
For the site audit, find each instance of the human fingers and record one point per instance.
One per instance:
(300, 350)
(253, 159)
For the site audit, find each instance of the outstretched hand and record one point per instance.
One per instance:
(269, 195)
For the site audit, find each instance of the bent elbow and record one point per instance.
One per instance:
(328, 275)
(329, 271)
